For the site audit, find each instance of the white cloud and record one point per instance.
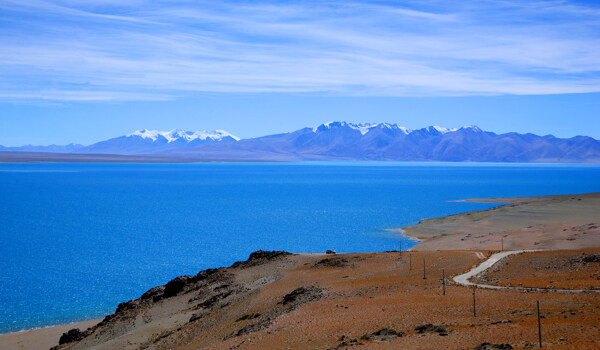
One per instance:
(104, 51)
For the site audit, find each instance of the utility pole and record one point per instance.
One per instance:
(424, 270)
(539, 324)
(474, 308)
(443, 282)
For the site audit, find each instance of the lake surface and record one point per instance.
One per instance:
(77, 239)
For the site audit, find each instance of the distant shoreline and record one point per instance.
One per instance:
(539, 222)
(11, 157)
(42, 157)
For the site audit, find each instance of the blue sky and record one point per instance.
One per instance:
(83, 71)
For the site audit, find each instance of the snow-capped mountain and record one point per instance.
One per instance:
(384, 141)
(151, 141)
(185, 136)
(340, 140)
(362, 128)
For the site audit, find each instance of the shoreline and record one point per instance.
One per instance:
(432, 235)
(51, 326)
(552, 222)
(41, 337)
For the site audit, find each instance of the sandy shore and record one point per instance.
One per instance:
(379, 300)
(544, 222)
(42, 338)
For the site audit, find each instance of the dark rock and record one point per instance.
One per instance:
(214, 299)
(154, 294)
(106, 320)
(260, 257)
(196, 317)
(591, 258)
(204, 274)
(386, 331)
(502, 321)
(223, 286)
(129, 305)
(263, 323)
(249, 329)
(490, 346)
(73, 335)
(302, 294)
(175, 286)
(248, 317)
(425, 328)
(384, 334)
(331, 262)
(163, 335)
(330, 251)
(348, 342)
(441, 329)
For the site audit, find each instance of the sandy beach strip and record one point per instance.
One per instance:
(40, 338)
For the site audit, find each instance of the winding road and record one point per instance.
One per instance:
(465, 277)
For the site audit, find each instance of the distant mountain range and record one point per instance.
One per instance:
(345, 141)
(70, 148)
(152, 141)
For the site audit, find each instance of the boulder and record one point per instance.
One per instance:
(175, 285)
(72, 335)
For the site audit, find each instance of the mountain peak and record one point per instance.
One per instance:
(473, 128)
(186, 136)
(362, 127)
(440, 129)
(145, 134)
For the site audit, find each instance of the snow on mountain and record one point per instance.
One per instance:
(188, 136)
(473, 128)
(440, 129)
(151, 141)
(362, 127)
(340, 140)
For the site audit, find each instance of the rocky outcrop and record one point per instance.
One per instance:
(331, 262)
(71, 336)
(384, 334)
(210, 290)
(260, 257)
(425, 328)
(302, 295)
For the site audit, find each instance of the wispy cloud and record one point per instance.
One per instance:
(104, 50)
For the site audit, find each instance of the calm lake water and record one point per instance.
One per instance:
(77, 239)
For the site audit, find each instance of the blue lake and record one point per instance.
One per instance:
(77, 239)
